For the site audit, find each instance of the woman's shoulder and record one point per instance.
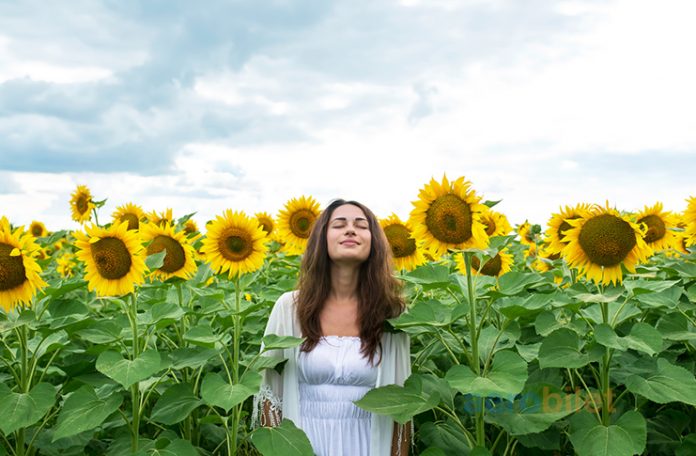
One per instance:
(286, 302)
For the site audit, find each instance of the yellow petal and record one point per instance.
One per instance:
(15, 252)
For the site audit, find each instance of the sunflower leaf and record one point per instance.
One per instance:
(156, 260)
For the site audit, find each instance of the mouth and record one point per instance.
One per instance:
(349, 242)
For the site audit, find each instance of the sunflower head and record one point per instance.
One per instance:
(558, 225)
(447, 215)
(81, 204)
(113, 257)
(495, 223)
(295, 223)
(266, 222)
(495, 267)
(406, 250)
(19, 273)
(658, 226)
(179, 260)
(234, 242)
(65, 265)
(603, 241)
(131, 213)
(689, 220)
(161, 218)
(38, 229)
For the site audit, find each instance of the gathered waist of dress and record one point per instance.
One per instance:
(331, 401)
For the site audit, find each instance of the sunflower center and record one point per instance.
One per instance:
(607, 239)
(490, 268)
(36, 230)
(236, 245)
(12, 272)
(132, 219)
(82, 204)
(266, 225)
(449, 219)
(301, 223)
(400, 240)
(112, 258)
(561, 230)
(175, 257)
(656, 228)
(490, 226)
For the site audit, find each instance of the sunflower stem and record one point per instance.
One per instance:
(96, 217)
(476, 363)
(236, 413)
(23, 383)
(135, 390)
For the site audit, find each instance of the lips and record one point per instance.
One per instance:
(349, 242)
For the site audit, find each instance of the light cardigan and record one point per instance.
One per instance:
(282, 391)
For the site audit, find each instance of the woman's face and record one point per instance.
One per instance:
(348, 235)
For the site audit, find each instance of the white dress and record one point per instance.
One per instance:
(282, 391)
(331, 377)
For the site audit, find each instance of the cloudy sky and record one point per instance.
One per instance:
(244, 104)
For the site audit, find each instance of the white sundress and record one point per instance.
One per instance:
(331, 377)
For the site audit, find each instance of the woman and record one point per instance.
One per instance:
(346, 292)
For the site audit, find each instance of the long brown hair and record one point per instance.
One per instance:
(379, 292)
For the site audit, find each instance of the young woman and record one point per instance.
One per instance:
(346, 292)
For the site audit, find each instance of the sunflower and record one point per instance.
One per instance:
(66, 265)
(447, 215)
(234, 243)
(131, 213)
(38, 229)
(689, 219)
(19, 273)
(601, 242)
(114, 259)
(529, 236)
(558, 224)
(161, 218)
(179, 260)
(295, 222)
(495, 223)
(191, 229)
(659, 234)
(406, 251)
(495, 267)
(266, 222)
(81, 204)
(544, 261)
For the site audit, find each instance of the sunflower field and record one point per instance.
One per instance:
(142, 335)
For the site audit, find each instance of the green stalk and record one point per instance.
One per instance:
(476, 364)
(23, 383)
(135, 390)
(236, 414)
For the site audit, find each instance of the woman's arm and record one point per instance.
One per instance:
(401, 439)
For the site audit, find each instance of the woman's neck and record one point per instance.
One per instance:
(344, 283)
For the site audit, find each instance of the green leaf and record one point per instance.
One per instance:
(667, 383)
(156, 260)
(202, 335)
(127, 372)
(164, 312)
(286, 439)
(519, 306)
(424, 313)
(537, 408)
(618, 312)
(101, 332)
(177, 447)
(19, 410)
(506, 378)
(624, 438)
(429, 276)
(642, 286)
(193, 357)
(675, 326)
(514, 282)
(562, 349)
(401, 403)
(274, 342)
(668, 298)
(217, 392)
(547, 322)
(83, 411)
(688, 446)
(643, 338)
(446, 436)
(175, 404)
